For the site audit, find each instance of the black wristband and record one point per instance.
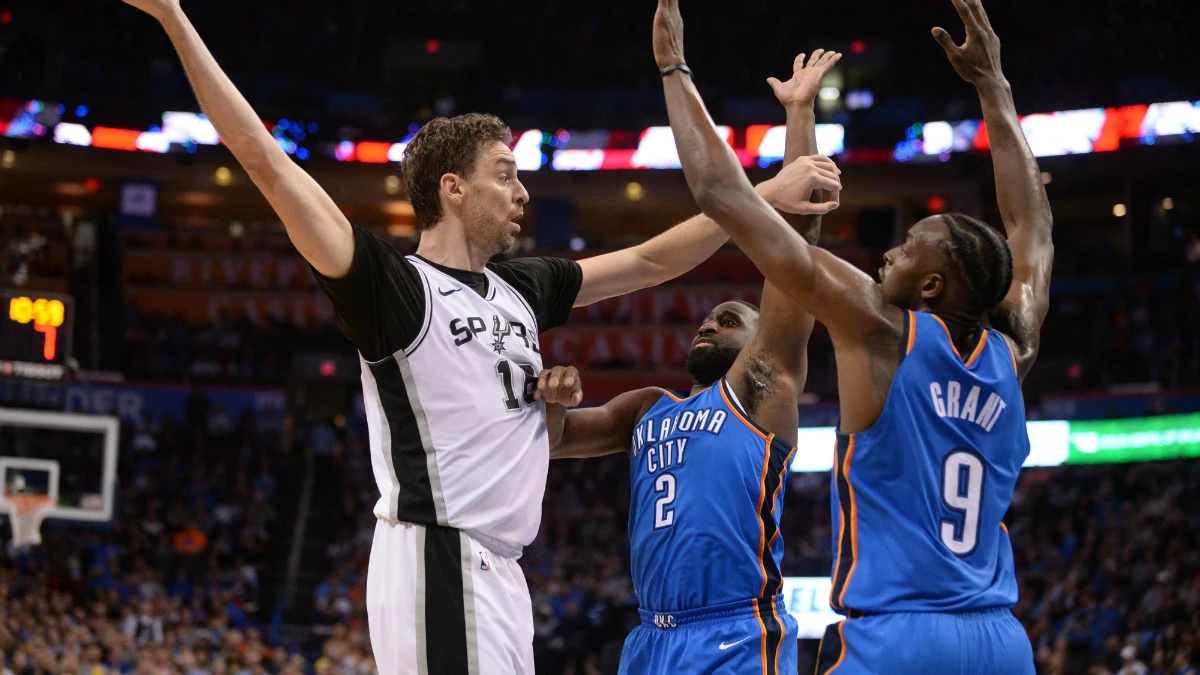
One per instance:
(678, 66)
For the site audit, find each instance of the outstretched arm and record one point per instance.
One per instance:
(314, 223)
(606, 430)
(683, 247)
(1024, 207)
(835, 292)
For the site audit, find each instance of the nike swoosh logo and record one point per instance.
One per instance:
(445, 293)
(724, 646)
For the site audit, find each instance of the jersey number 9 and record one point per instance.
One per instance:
(962, 492)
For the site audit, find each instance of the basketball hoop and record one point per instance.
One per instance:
(26, 513)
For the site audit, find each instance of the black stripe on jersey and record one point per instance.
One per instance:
(774, 634)
(414, 501)
(829, 653)
(907, 334)
(777, 454)
(445, 611)
(845, 561)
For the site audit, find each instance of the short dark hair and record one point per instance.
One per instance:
(751, 305)
(981, 258)
(445, 146)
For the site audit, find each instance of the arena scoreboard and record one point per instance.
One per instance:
(35, 334)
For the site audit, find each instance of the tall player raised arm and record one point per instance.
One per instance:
(323, 235)
(866, 329)
(1020, 192)
(769, 373)
(317, 228)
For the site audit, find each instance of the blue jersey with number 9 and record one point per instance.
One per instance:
(706, 496)
(918, 498)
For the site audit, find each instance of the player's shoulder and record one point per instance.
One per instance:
(532, 266)
(636, 403)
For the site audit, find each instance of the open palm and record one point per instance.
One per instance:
(806, 78)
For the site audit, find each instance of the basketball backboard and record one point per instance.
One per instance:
(69, 457)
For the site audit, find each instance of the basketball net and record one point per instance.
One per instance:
(26, 513)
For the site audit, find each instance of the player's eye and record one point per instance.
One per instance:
(504, 178)
(730, 323)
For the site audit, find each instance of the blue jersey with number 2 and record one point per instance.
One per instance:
(706, 495)
(918, 498)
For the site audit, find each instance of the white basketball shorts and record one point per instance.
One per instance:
(440, 603)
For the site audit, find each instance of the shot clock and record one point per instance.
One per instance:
(35, 334)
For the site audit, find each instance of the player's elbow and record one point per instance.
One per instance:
(719, 199)
(261, 158)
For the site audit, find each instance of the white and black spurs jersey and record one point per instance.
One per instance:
(456, 436)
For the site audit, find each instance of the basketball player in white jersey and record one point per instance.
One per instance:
(450, 363)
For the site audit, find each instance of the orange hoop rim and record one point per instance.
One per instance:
(29, 504)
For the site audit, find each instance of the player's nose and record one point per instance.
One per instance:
(522, 196)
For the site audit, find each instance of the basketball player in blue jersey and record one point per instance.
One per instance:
(930, 362)
(707, 470)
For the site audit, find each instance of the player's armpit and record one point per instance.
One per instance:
(769, 374)
(1020, 316)
(605, 430)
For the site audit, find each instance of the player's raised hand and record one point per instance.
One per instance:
(805, 82)
(159, 9)
(791, 190)
(561, 385)
(668, 34)
(978, 59)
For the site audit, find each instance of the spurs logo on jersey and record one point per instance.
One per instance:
(465, 330)
(457, 437)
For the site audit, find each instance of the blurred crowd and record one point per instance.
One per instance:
(175, 584)
(1108, 559)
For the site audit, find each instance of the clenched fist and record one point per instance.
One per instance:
(560, 385)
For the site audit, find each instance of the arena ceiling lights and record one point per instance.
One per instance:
(1058, 133)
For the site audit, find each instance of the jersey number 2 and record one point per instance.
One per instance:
(504, 368)
(664, 516)
(962, 491)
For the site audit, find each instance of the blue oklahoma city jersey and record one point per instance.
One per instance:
(918, 498)
(706, 495)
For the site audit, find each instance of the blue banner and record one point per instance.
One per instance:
(131, 402)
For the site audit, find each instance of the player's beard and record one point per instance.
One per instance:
(709, 364)
(487, 231)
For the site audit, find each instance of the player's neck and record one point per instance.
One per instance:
(964, 328)
(447, 245)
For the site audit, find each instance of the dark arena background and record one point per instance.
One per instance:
(172, 378)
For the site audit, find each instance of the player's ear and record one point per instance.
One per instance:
(932, 285)
(453, 188)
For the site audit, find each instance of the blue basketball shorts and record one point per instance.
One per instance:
(987, 642)
(750, 637)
